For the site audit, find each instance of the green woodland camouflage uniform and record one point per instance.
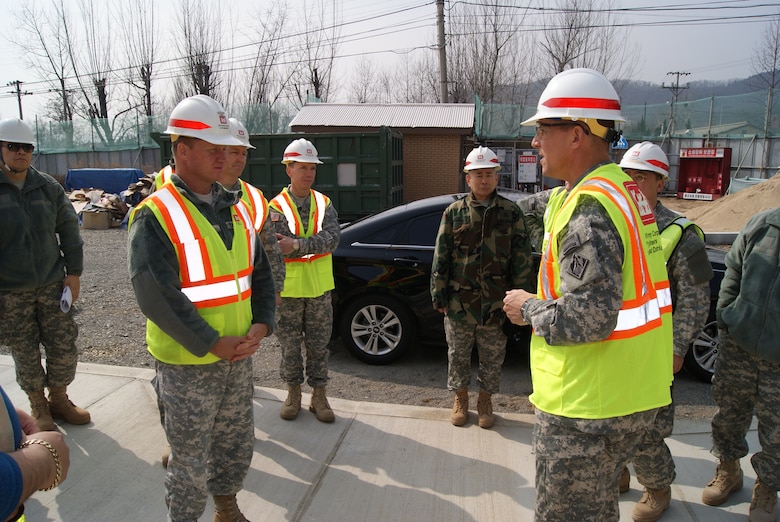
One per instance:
(689, 273)
(306, 320)
(747, 370)
(206, 410)
(39, 244)
(560, 444)
(481, 252)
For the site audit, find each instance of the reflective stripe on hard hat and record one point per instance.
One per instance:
(188, 124)
(583, 103)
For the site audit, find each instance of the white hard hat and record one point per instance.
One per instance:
(302, 151)
(201, 117)
(578, 94)
(239, 132)
(646, 156)
(14, 130)
(481, 158)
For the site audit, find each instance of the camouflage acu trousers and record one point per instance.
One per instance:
(744, 383)
(653, 461)
(578, 464)
(31, 319)
(209, 424)
(491, 348)
(308, 322)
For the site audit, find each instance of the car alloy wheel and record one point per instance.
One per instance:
(377, 329)
(701, 357)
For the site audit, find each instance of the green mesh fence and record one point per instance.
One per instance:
(719, 116)
(129, 132)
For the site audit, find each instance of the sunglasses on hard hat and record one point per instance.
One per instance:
(13, 147)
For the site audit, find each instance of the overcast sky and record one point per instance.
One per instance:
(712, 40)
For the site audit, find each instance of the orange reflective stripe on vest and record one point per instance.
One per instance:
(199, 283)
(650, 300)
(283, 202)
(257, 203)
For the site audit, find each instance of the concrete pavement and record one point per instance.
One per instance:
(376, 462)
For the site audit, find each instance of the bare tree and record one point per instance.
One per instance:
(263, 80)
(46, 53)
(582, 33)
(319, 42)
(364, 79)
(200, 46)
(417, 80)
(766, 58)
(485, 51)
(766, 62)
(138, 23)
(92, 65)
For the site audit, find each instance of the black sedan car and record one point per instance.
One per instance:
(382, 298)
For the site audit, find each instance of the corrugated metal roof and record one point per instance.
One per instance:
(394, 115)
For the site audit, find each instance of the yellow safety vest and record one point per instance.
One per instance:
(164, 176)
(671, 235)
(631, 370)
(310, 275)
(216, 280)
(254, 199)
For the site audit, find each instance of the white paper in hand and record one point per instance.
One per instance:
(66, 300)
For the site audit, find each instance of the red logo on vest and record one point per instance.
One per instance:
(645, 211)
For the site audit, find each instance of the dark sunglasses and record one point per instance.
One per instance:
(13, 147)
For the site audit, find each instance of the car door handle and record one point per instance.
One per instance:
(405, 261)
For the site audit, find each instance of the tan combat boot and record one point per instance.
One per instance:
(292, 403)
(460, 410)
(39, 408)
(727, 480)
(485, 410)
(763, 506)
(319, 405)
(226, 509)
(62, 408)
(652, 504)
(624, 484)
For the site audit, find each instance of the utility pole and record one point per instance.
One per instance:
(442, 51)
(675, 88)
(19, 94)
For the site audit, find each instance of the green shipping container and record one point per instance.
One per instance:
(362, 172)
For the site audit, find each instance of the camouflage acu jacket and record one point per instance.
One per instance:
(481, 252)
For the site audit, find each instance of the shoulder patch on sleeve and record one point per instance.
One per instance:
(572, 242)
(578, 266)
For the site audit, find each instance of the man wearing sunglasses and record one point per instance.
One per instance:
(601, 349)
(40, 256)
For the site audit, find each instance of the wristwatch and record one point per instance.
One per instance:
(296, 245)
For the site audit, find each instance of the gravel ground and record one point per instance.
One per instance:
(111, 331)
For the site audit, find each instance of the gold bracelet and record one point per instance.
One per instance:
(48, 446)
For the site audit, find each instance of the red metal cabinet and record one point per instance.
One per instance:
(704, 173)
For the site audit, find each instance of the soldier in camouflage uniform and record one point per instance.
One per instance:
(307, 229)
(234, 167)
(689, 272)
(601, 350)
(40, 255)
(185, 241)
(481, 251)
(747, 370)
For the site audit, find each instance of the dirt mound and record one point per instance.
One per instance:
(730, 213)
